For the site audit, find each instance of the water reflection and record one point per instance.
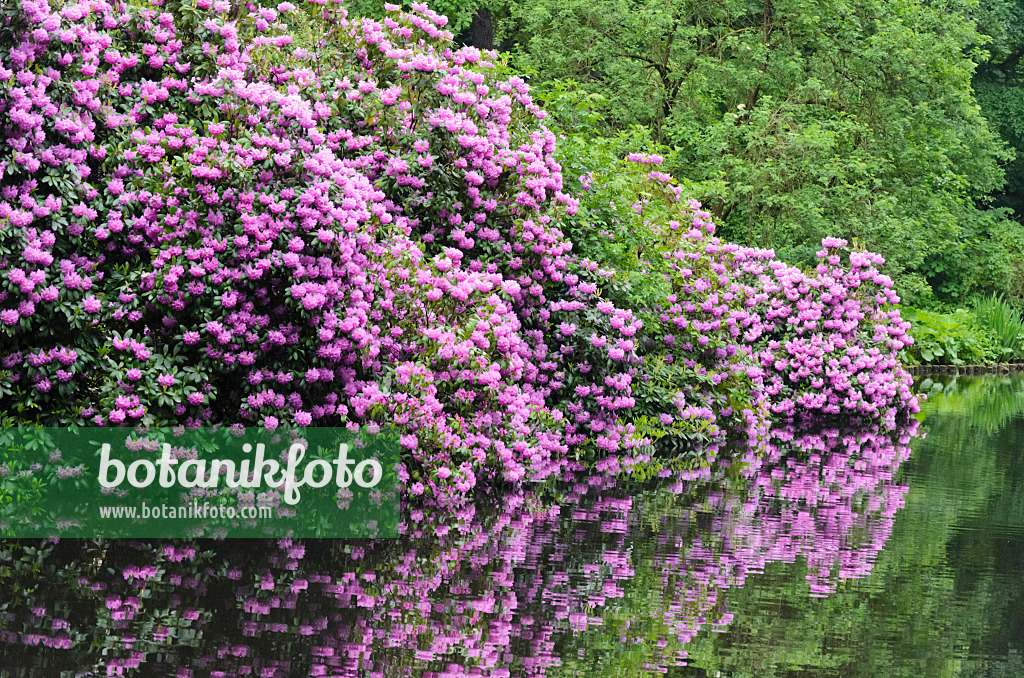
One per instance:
(946, 595)
(988, 402)
(595, 576)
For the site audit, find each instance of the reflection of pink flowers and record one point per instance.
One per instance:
(481, 579)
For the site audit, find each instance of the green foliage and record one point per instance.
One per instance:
(949, 339)
(999, 87)
(797, 119)
(989, 259)
(1002, 103)
(622, 211)
(998, 315)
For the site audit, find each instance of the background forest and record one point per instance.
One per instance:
(897, 125)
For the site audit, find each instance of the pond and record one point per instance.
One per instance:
(844, 552)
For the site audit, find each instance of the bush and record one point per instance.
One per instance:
(949, 339)
(209, 218)
(815, 343)
(996, 314)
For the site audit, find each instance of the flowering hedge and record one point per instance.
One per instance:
(213, 213)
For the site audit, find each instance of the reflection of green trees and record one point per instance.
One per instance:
(945, 597)
(988, 401)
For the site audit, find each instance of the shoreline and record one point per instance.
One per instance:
(998, 368)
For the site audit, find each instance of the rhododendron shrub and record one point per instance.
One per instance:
(720, 319)
(823, 343)
(216, 213)
(364, 235)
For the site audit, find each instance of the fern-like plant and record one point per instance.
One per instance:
(996, 313)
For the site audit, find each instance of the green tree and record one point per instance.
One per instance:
(999, 87)
(853, 118)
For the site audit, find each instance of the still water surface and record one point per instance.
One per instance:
(844, 552)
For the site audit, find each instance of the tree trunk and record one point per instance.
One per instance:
(483, 29)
